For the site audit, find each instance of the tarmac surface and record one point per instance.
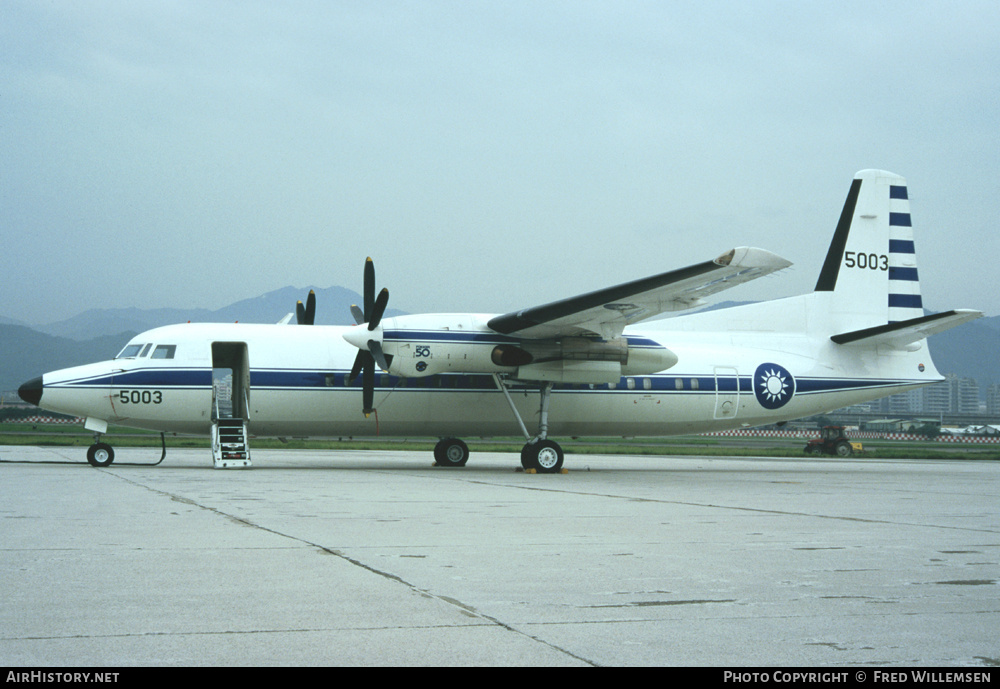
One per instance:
(379, 558)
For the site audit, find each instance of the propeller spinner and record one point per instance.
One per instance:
(368, 340)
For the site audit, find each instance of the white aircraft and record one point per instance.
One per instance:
(578, 363)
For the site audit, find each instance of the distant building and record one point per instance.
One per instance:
(993, 400)
(909, 402)
(953, 395)
(964, 393)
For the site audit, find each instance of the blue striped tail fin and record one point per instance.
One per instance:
(871, 265)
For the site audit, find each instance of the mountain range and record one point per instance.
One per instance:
(26, 351)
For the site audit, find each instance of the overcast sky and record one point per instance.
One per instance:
(488, 155)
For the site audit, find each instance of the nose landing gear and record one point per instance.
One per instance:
(101, 454)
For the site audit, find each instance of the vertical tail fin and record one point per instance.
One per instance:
(871, 266)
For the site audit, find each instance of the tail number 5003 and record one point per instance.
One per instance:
(859, 259)
(140, 396)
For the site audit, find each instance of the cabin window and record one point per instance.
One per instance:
(130, 352)
(694, 383)
(678, 383)
(164, 351)
(647, 383)
(630, 383)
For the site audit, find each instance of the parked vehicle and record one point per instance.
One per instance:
(833, 441)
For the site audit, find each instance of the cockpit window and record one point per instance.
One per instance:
(164, 351)
(145, 350)
(131, 351)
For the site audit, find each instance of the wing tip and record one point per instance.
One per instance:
(752, 257)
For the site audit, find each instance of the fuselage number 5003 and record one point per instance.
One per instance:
(140, 396)
(859, 259)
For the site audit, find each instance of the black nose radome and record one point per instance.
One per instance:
(31, 392)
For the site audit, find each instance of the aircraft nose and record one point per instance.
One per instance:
(31, 392)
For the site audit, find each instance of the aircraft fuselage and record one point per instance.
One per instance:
(721, 382)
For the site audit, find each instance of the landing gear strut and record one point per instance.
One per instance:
(539, 453)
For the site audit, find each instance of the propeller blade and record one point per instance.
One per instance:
(369, 352)
(300, 313)
(368, 388)
(359, 362)
(359, 315)
(378, 309)
(369, 289)
(311, 308)
(376, 349)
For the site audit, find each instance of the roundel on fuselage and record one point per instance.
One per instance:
(773, 386)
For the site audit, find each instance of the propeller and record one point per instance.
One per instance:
(368, 340)
(306, 315)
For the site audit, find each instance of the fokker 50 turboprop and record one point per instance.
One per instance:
(579, 366)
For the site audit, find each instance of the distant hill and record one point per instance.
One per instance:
(971, 351)
(26, 353)
(332, 308)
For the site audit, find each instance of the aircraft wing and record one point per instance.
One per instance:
(607, 311)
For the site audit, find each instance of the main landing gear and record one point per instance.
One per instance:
(539, 454)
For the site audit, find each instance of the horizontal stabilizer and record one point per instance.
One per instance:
(902, 333)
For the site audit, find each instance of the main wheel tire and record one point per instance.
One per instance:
(100, 454)
(451, 452)
(544, 456)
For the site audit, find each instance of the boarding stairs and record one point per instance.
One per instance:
(229, 443)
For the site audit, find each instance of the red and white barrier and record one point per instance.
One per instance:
(44, 419)
(860, 435)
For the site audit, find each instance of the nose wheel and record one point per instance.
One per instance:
(100, 454)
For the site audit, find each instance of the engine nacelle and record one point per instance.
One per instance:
(589, 360)
(427, 345)
(430, 344)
